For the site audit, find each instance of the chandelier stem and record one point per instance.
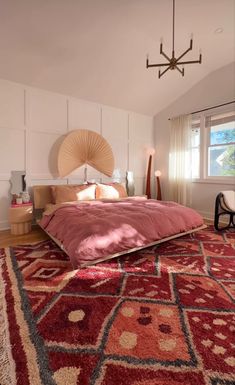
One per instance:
(173, 32)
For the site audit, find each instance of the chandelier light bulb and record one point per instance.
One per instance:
(219, 30)
(150, 151)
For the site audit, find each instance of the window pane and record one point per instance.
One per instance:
(221, 161)
(195, 137)
(195, 162)
(223, 133)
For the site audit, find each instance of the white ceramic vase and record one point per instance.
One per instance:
(25, 197)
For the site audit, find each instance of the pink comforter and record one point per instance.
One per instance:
(89, 231)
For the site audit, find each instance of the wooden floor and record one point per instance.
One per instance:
(36, 235)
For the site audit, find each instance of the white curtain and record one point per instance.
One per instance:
(180, 175)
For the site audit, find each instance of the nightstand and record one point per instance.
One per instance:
(20, 218)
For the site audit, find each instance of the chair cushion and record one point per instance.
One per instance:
(229, 200)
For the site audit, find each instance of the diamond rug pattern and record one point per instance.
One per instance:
(162, 316)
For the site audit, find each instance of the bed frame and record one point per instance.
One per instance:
(42, 197)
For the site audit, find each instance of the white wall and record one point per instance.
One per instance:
(33, 121)
(216, 88)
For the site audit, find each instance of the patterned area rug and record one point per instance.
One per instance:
(163, 316)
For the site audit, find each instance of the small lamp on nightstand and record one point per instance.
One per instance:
(158, 186)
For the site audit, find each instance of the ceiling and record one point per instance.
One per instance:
(96, 49)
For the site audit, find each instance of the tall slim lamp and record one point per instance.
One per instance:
(158, 185)
(150, 152)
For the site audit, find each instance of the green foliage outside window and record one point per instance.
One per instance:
(229, 162)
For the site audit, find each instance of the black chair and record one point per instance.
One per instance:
(224, 205)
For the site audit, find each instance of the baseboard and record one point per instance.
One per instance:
(210, 217)
(206, 215)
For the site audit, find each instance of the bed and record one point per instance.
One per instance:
(93, 231)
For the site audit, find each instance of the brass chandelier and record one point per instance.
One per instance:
(173, 62)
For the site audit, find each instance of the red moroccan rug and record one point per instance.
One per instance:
(163, 316)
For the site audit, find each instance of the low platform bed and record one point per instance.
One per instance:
(93, 231)
(83, 265)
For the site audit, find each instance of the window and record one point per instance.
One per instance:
(213, 146)
(221, 146)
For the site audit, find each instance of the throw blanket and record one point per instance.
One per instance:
(98, 229)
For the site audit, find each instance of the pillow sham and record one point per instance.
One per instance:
(110, 191)
(69, 193)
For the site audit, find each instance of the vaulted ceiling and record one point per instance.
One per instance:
(96, 49)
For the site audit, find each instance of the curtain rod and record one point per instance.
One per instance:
(209, 108)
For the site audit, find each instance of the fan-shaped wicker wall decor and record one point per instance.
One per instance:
(85, 147)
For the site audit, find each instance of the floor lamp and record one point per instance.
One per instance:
(158, 186)
(150, 152)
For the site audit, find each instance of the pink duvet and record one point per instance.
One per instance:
(90, 231)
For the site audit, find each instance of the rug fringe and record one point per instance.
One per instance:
(7, 365)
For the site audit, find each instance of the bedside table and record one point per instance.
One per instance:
(20, 218)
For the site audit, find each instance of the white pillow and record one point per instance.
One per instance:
(87, 193)
(106, 192)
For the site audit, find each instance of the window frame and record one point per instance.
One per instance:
(204, 148)
(196, 126)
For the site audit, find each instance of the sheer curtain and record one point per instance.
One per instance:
(180, 175)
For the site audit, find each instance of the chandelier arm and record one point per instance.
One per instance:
(158, 65)
(190, 62)
(181, 71)
(163, 53)
(162, 73)
(183, 54)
